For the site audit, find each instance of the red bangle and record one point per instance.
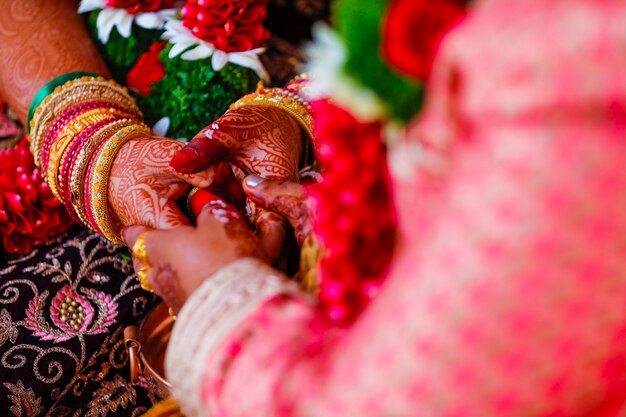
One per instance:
(69, 162)
(88, 209)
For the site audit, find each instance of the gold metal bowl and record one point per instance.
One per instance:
(146, 346)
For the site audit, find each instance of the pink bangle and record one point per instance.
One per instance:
(70, 161)
(60, 123)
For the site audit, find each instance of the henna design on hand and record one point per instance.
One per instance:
(40, 41)
(166, 283)
(142, 186)
(259, 140)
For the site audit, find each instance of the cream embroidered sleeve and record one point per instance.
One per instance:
(209, 316)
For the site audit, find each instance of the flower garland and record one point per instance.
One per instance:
(356, 222)
(29, 213)
(412, 31)
(121, 14)
(185, 80)
(225, 30)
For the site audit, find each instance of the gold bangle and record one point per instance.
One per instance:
(99, 180)
(193, 191)
(59, 149)
(290, 102)
(71, 93)
(77, 178)
(38, 133)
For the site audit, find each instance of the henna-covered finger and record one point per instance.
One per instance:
(286, 198)
(271, 228)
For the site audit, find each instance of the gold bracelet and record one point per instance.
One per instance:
(79, 171)
(288, 101)
(99, 180)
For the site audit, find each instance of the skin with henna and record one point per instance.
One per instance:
(260, 140)
(40, 41)
(44, 39)
(183, 257)
(143, 187)
(284, 197)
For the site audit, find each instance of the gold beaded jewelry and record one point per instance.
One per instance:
(99, 180)
(288, 101)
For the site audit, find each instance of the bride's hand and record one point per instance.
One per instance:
(143, 188)
(259, 140)
(289, 199)
(182, 258)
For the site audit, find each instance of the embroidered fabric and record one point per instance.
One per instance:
(55, 364)
(209, 316)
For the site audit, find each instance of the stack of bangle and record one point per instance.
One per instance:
(287, 99)
(78, 123)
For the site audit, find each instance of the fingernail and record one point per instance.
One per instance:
(183, 161)
(253, 180)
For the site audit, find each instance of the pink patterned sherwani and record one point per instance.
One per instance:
(507, 295)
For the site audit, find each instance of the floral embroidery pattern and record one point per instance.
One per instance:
(63, 309)
(8, 330)
(113, 395)
(25, 403)
(68, 327)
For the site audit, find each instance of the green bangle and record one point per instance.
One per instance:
(47, 89)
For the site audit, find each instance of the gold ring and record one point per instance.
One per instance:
(139, 250)
(142, 277)
(191, 194)
(140, 253)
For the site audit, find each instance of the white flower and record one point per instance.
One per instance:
(111, 17)
(191, 48)
(326, 57)
(161, 127)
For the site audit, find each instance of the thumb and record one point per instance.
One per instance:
(131, 233)
(279, 196)
(286, 198)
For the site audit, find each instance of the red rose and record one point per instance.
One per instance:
(29, 213)
(230, 25)
(413, 30)
(147, 70)
(137, 6)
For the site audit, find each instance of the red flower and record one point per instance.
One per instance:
(29, 213)
(230, 25)
(147, 70)
(413, 30)
(138, 6)
(356, 220)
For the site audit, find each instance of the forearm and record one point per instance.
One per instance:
(41, 40)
